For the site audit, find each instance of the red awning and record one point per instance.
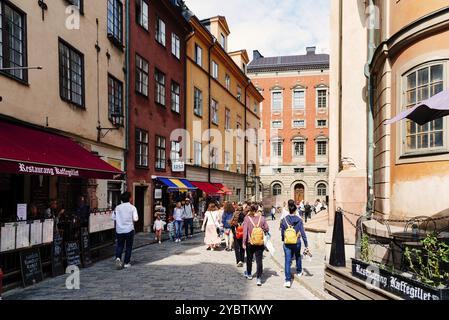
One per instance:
(223, 188)
(25, 150)
(207, 187)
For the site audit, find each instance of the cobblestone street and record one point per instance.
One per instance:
(185, 271)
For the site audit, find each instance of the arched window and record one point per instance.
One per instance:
(277, 189)
(321, 190)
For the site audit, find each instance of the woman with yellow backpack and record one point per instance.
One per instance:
(292, 230)
(254, 228)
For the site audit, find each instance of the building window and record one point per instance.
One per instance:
(299, 123)
(198, 55)
(238, 163)
(13, 41)
(142, 13)
(175, 97)
(421, 84)
(322, 99)
(78, 3)
(175, 46)
(321, 148)
(198, 102)
(115, 101)
(214, 70)
(255, 107)
(142, 72)
(223, 41)
(244, 68)
(227, 165)
(299, 149)
(321, 123)
(322, 170)
(214, 111)
(159, 87)
(160, 153)
(299, 170)
(321, 190)
(197, 153)
(228, 81)
(71, 74)
(141, 148)
(115, 20)
(277, 170)
(160, 31)
(277, 148)
(227, 119)
(175, 154)
(277, 190)
(239, 129)
(114, 192)
(276, 124)
(239, 93)
(299, 99)
(214, 158)
(276, 101)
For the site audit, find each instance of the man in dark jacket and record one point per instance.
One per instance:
(308, 211)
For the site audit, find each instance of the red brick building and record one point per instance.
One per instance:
(158, 33)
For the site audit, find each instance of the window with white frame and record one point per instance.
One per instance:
(420, 84)
(141, 75)
(159, 87)
(175, 97)
(255, 107)
(299, 148)
(142, 13)
(141, 140)
(198, 102)
(198, 55)
(238, 127)
(321, 99)
(299, 99)
(299, 124)
(277, 148)
(175, 153)
(227, 165)
(239, 163)
(214, 158)
(175, 46)
(298, 170)
(239, 93)
(277, 170)
(160, 31)
(321, 123)
(322, 170)
(321, 190)
(276, 124)
(214, 70)
(197, 153)
(227, 119)
(276, 101)
(214, 111)
(277, 189)
(160, 153)
(223, 41)
(115, 20)
(228, 81)
(321, 147)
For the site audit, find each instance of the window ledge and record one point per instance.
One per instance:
(116, 42)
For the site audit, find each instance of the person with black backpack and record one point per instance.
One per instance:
(292, 230)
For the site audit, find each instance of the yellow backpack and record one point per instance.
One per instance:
(290, 235)
(256, 238)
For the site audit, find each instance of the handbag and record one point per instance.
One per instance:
(218, 228)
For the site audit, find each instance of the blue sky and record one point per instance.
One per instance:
(282, 27)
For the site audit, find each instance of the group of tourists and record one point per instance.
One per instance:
(304, 209)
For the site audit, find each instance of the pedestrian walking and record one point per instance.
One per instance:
(292, 230)
(273, 213)
(211, 227)
(237, 231)
(177, 216)
(124, 215)
(171, 229)
(254, 228)
(307, 211)
(188, 215)
(226, 221)
(158, 227)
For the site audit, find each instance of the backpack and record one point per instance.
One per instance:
(239, 232)
(290, 235)
(257, 235)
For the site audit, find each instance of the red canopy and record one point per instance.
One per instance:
(207, 187)
(29, 151)
(223, 188)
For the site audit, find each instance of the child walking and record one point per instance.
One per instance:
(171, 229)
(159, 227)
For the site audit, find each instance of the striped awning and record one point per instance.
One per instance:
(177, 184)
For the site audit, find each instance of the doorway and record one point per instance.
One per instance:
(299, 192)
(139, 202)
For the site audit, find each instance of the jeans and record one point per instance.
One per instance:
(229, 238)
(273, 216)
(258, 252)
(187, 223)
(290, 251)
(178, 230)
(239, 252)
(122, 239)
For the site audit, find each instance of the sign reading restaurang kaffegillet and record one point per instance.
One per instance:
(403, 287)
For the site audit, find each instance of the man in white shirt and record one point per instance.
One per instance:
(124, 215)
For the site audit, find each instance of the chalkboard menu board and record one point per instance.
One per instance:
(30, 262)
(85, 247)
(72, 253)
(57, 265)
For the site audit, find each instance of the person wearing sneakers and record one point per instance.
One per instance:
(292, 230)
(177, 216)
(211, 227)
(158, 228)
(124, 215)
(254, 228)
(237, 232)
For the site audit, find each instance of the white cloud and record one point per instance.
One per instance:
(283, 27)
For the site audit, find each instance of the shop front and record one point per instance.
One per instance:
(48, 205)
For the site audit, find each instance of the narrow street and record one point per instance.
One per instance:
(185, 271)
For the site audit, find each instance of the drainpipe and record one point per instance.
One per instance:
(245, 161)
(210, 106)
(189, 36)
(340, 85)
(127, 59)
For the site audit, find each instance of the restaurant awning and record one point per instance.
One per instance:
(208, 188)
(434, 108)
(30, 151)
(176, 184)
(223, 188)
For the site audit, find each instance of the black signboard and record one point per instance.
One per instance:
(57, 264)
(30, 262)
(72, 253)
(85, 247)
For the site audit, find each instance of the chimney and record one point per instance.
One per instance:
(256, 55)
(310, 50)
